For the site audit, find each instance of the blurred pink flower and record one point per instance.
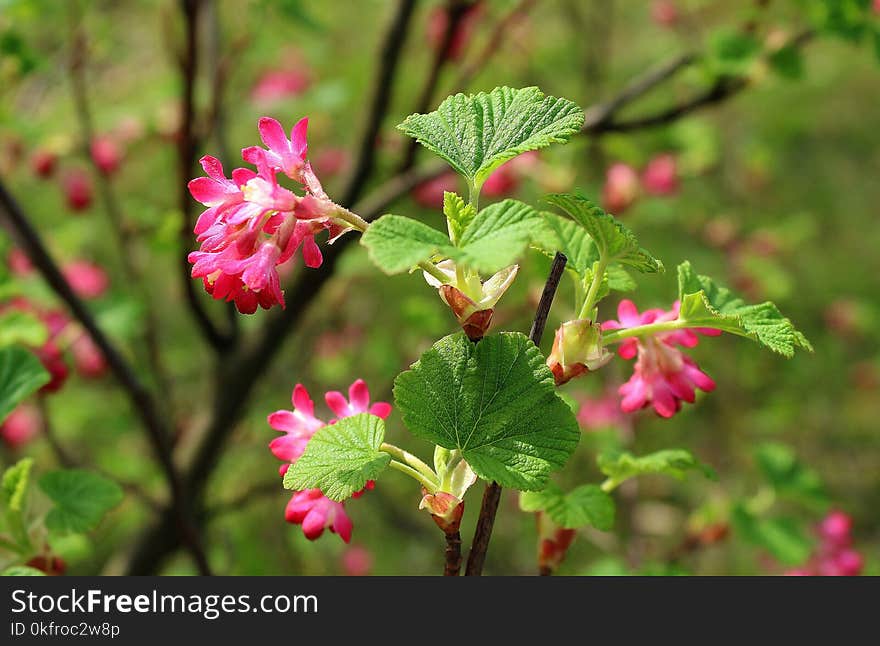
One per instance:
(106, 154)
(43, 163)
(506, 179)
(357, 561)
(664, 12)
(621, 188)
(87, 279)
(332, 161)
(835, 555)
(18, 262)
(20, 426)
(663, 375)
(660, 176)
(77, 186)
(274, 85)
(430, 193)
(87, 357)
(438, 20)
(597, 413)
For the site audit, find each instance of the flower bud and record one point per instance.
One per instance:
(577, 349)
(553, 542)
(445, 509)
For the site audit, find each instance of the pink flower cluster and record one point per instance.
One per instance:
(664, 376)
(252, 224)
(310, 508)
(623, 185)
(835, 555)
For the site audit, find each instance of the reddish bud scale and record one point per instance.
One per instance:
(474, 323)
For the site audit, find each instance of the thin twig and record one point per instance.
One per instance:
(453, 554)
(492, 494)
(392, 46)
(456, 10)
(15, 221)
(186, 158)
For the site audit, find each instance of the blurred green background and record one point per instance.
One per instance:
(778, 198)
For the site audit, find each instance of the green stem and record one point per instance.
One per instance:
(473, 195)
(614, 336)
(412, 473)
(598, 275)
(409, 459)
(609, 485)
(351, 218)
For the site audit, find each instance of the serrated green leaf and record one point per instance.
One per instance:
(396, 244)
(586, 505)
(22, 570)
(21, 374)
(705, 304)
(788, 475)
(614, 241)
(13, 486)
(782, 537)
(81, 499)
(458, 212)
(476, 133)
(496, 402)
(340, 458)
(494, 239)
(22, 328)
(671, 462)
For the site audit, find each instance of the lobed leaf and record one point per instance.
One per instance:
(21, 374)
(671, 462)
(494, 401)
(586, 505)
(81, 499)
(340, 458)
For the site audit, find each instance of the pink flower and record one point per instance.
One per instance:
(77, 187)
(664, 13)
(430, 193)
(18, 262)
(621, 187)
(20, 426)
(357, 561)
(835, 555)
(505, 179)
(660, 176)
(86, 279)
(877, 6)
(43, 163)
(286, 155)
(298, 426)
(332, 161)
(358, 402)
(315, 512)
(106, 154)
(87, 357)
(835, 529)
(311, 508)
(274, 85)
(663, 376)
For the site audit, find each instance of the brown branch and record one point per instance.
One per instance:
(121, 231)
(453, 554)
(187, 145)
(392, 46)
(15, 221)
(456, 10)
(492, 493)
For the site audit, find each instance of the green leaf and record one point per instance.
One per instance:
(788, 475)
(497, 237)
(340, 458)
(732, 51)
(22, 570)
(671, 462)
(397, 244)
(788, 62)
(492, 240)
(614, 241)
(782, 537)
(705, 304)
(22, 327)
(81, 499)
(586, 505)
(21, 374)
(476, 133)
(13, 486)
(496, 402)
(458, 212)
